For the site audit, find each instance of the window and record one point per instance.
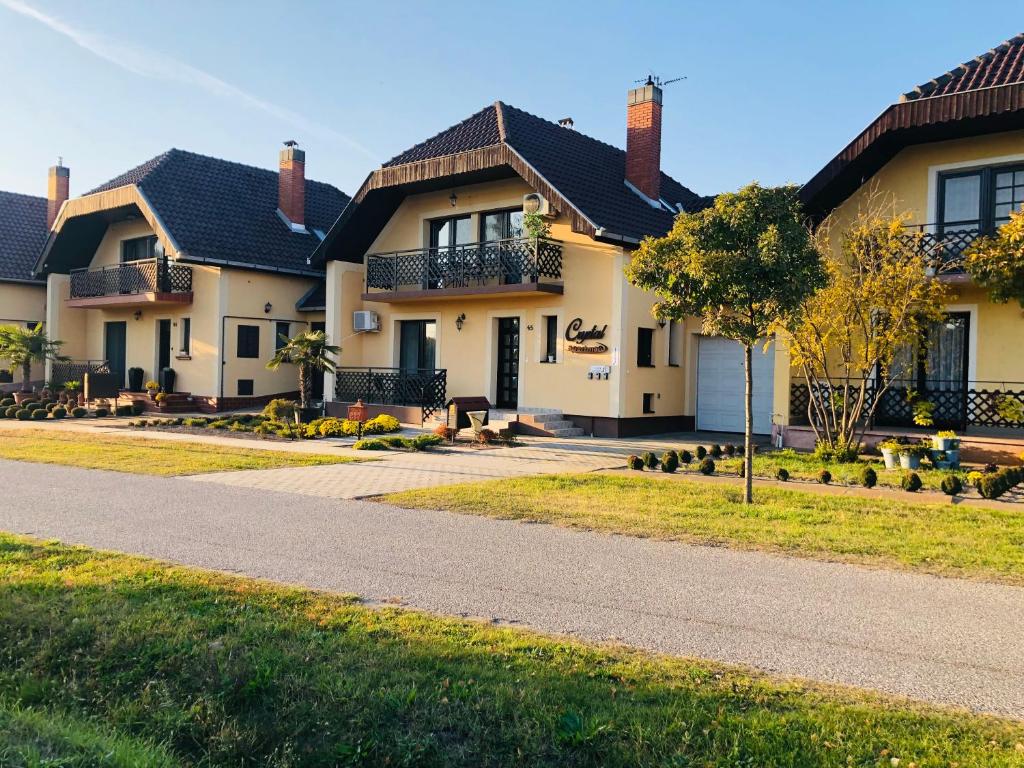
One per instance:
(245, 387)
(644, 345)
(648, 402)
(417, 344)
(981, 199)
(282, 332)
(675, 344)
(138, 248)
(501, 225)
(447, 233)
(185, 334)
(248, 341)
(550, 339)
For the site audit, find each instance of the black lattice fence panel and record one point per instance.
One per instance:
(424, 388)
(996, 408)
(942, 249)
(63, 371)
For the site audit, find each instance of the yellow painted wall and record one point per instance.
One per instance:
(21, 304)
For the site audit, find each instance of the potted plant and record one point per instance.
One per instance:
(160, 398)
(944, 440)
(911, 455)
(152, 388)
(889, 449)
(71, 389)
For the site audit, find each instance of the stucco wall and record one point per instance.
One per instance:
(21, 304)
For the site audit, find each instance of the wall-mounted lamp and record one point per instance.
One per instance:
(459, 321)
(661, 322)
(267, 307)
(453, 199)
(137, 314)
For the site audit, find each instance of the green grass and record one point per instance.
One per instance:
(105, 651)
(146, 457)
(805, 466)
(946, 539)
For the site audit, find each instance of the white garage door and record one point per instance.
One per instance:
(720, 385)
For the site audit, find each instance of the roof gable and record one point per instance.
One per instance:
(23, 232)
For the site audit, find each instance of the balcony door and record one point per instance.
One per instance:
(417, 345)
(979, 200)
(443, 258)
(499, 226)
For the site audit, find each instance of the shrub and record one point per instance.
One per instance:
(59, 412)
(729, 449)
(138, 408)
(381, 424)
(99, 413)
(441, 430)
(34, 406)
(911, 482)
(11, 410)
(152, 385)
(707, 466)
(952, 485)
(716, 451)
(782, 474)
(280, 409)
(397, 442)
(635, 462)
(335, 427)
(7, 402)
(23, 414)
(423, 442)
(507, 437)
(218, 424)
(824, 477)
(701, 452)
(142, 423)
(79, 412)
(125, 410)
(487, 436)
(39, 414)
(991, 486)
(669, 462)
(195, 422)
(868, 477)
(685, 457)
(824, 453)
(650, 460)
(373, 444)
(50, 407)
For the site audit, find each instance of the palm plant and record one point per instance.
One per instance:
(310, 351)
(23, 346)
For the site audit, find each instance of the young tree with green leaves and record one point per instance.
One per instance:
(997, 263)
(743, 266)
(23, 346)
(310, 351)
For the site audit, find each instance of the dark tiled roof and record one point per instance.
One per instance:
(1003, 65)
(22, 234)
(220, 211)
(315, 299)
(587, 172)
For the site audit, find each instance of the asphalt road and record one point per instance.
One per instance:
(947, 641)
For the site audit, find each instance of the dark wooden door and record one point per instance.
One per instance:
(163, 346)
(508, 362)
(115, 348)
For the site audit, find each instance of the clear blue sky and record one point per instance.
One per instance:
(772, 94)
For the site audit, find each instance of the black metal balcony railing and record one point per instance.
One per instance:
(942, 246)
(955, 404)
(496, 262)
(423, 387)
(133, 277)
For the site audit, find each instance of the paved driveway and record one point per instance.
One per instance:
(947, 641)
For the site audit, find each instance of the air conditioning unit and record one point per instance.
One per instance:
(536, 203)
(365, 320)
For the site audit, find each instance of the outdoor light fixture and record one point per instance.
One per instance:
(138, 314)
(661, 322)
(459, 321)
(453, 199)
(267, 307)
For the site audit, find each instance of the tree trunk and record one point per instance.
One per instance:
(303, 386)
(748, 445)
(26, 375)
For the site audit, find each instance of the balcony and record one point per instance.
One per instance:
(942, 246)
(146, 283)
(516, 266)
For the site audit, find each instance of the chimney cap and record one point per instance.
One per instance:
(566, 122)
(291, 143)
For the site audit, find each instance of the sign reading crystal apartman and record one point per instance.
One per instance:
(578, 338)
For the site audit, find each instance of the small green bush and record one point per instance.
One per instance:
(782, 474)
(100, 413)
(335, 427)
(650, 460)
(6, 402)
(219, 424)
(424, 442)
(59, 412)
(636, 463)
(730, 449)
(911, 482)
(669, 462)
(39, 414)
(824, 477)
(372, 444)
(280, 409)
(138, 408)
(23, 414)
(11, 411)
(79, 412)
(716, 451)
(34, 406)
(685, 457)
(868, 477)
(707, 466)
(397, 442)
(701, 452)
(952, 485)
(195, 422)
(381, 424)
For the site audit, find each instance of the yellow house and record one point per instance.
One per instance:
(438, 288)
(951, 155)
(24, 222)
(187, 270)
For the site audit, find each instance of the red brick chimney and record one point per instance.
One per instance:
(291, 185)
(643, 139)
(57, 189)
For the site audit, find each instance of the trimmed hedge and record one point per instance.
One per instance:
(650, 460)
(707, 466)
(952, 485)
(782, 474)
(868, 477)
(685, 457)
(911, 482)
(669, 462)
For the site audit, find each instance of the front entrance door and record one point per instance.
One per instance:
(508, 363)
(163, 346)
(115, 348)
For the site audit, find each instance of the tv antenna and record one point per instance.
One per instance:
(653, 79)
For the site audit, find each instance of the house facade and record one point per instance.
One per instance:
(193, 265)
(437, 287)
(24, 223)
(950, 154)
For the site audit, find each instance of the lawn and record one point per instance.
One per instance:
(146, 457)
(946, 539)
(113, 660)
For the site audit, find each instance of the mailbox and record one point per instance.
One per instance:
(460, 407)
(358, 411)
